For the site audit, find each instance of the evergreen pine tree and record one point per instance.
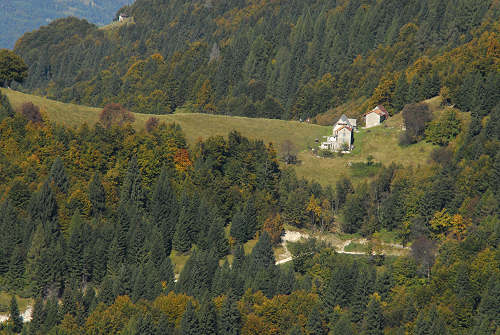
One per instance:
(373, 323)
(89, 300)
(164, 326)
(383, 284)
(238, 257)
(286, 283)
(38, 264)
(124, 282)
(97, 196)
(58, 176)
(262, 256)
(400, 92)
(52, 314)
(75, 247)
(189, 323)
(43, 205)
(5, 107)
(139, 288)
(132, 192)
(217, 238)
(16, 268)
(9, 224)
(230, 317)
(222, 279)
(207, 318)
(37, 317)
(166, 273)
(106, 293)
(362, 291)
(197, 276)
(343, 326)
(15, 317)
(164, 209)
(181, 241)
(244, 223)
(184, 230)
(314, 324)
(238, 227)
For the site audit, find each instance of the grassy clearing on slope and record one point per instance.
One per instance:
(380, 142)
(67, 114)
(5, 302)
(195, 125)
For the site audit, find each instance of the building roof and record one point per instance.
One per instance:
(344, 119)
(380, 110)
(347, 127)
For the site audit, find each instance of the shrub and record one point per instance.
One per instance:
(31, 112)
(326, 153)
(115, 114)
(152, 123)
(442, 130)
(416, 116)
(442, 155)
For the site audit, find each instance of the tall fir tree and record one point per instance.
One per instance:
(185, 230)
(262, 256)
(97, 196)
(362, 290)
(189, 323)
(207, 317)
(38, 267)
(164, 208)
(58, 176)
(373, 323)
(132, 191)
(14, 316)
(37, 317)
(400, 93)
(43, 205)
(314, 324)
(230, 317)
(244, 223)
(343, 326)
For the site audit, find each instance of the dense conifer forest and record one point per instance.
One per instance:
(91, 217)
(275, 59)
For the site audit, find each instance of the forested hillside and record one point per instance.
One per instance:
(275, 59)
(95, 218)
(89, 217)
(18, 17)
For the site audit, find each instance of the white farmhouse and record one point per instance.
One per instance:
(342, 135)
(122, 17)
(376, 116)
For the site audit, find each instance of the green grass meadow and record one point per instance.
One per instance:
(379, 142)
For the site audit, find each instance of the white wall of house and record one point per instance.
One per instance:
(344, 136)
(372, 119)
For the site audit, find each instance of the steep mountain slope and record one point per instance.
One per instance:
(20, 16)
(275, 59)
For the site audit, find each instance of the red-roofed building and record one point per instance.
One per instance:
(376, 116)
(342, 136)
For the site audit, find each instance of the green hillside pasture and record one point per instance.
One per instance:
(381, 142)
(195, 125)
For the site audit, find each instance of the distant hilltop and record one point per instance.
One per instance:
(19, 17)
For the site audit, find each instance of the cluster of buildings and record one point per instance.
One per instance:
(342, 138)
